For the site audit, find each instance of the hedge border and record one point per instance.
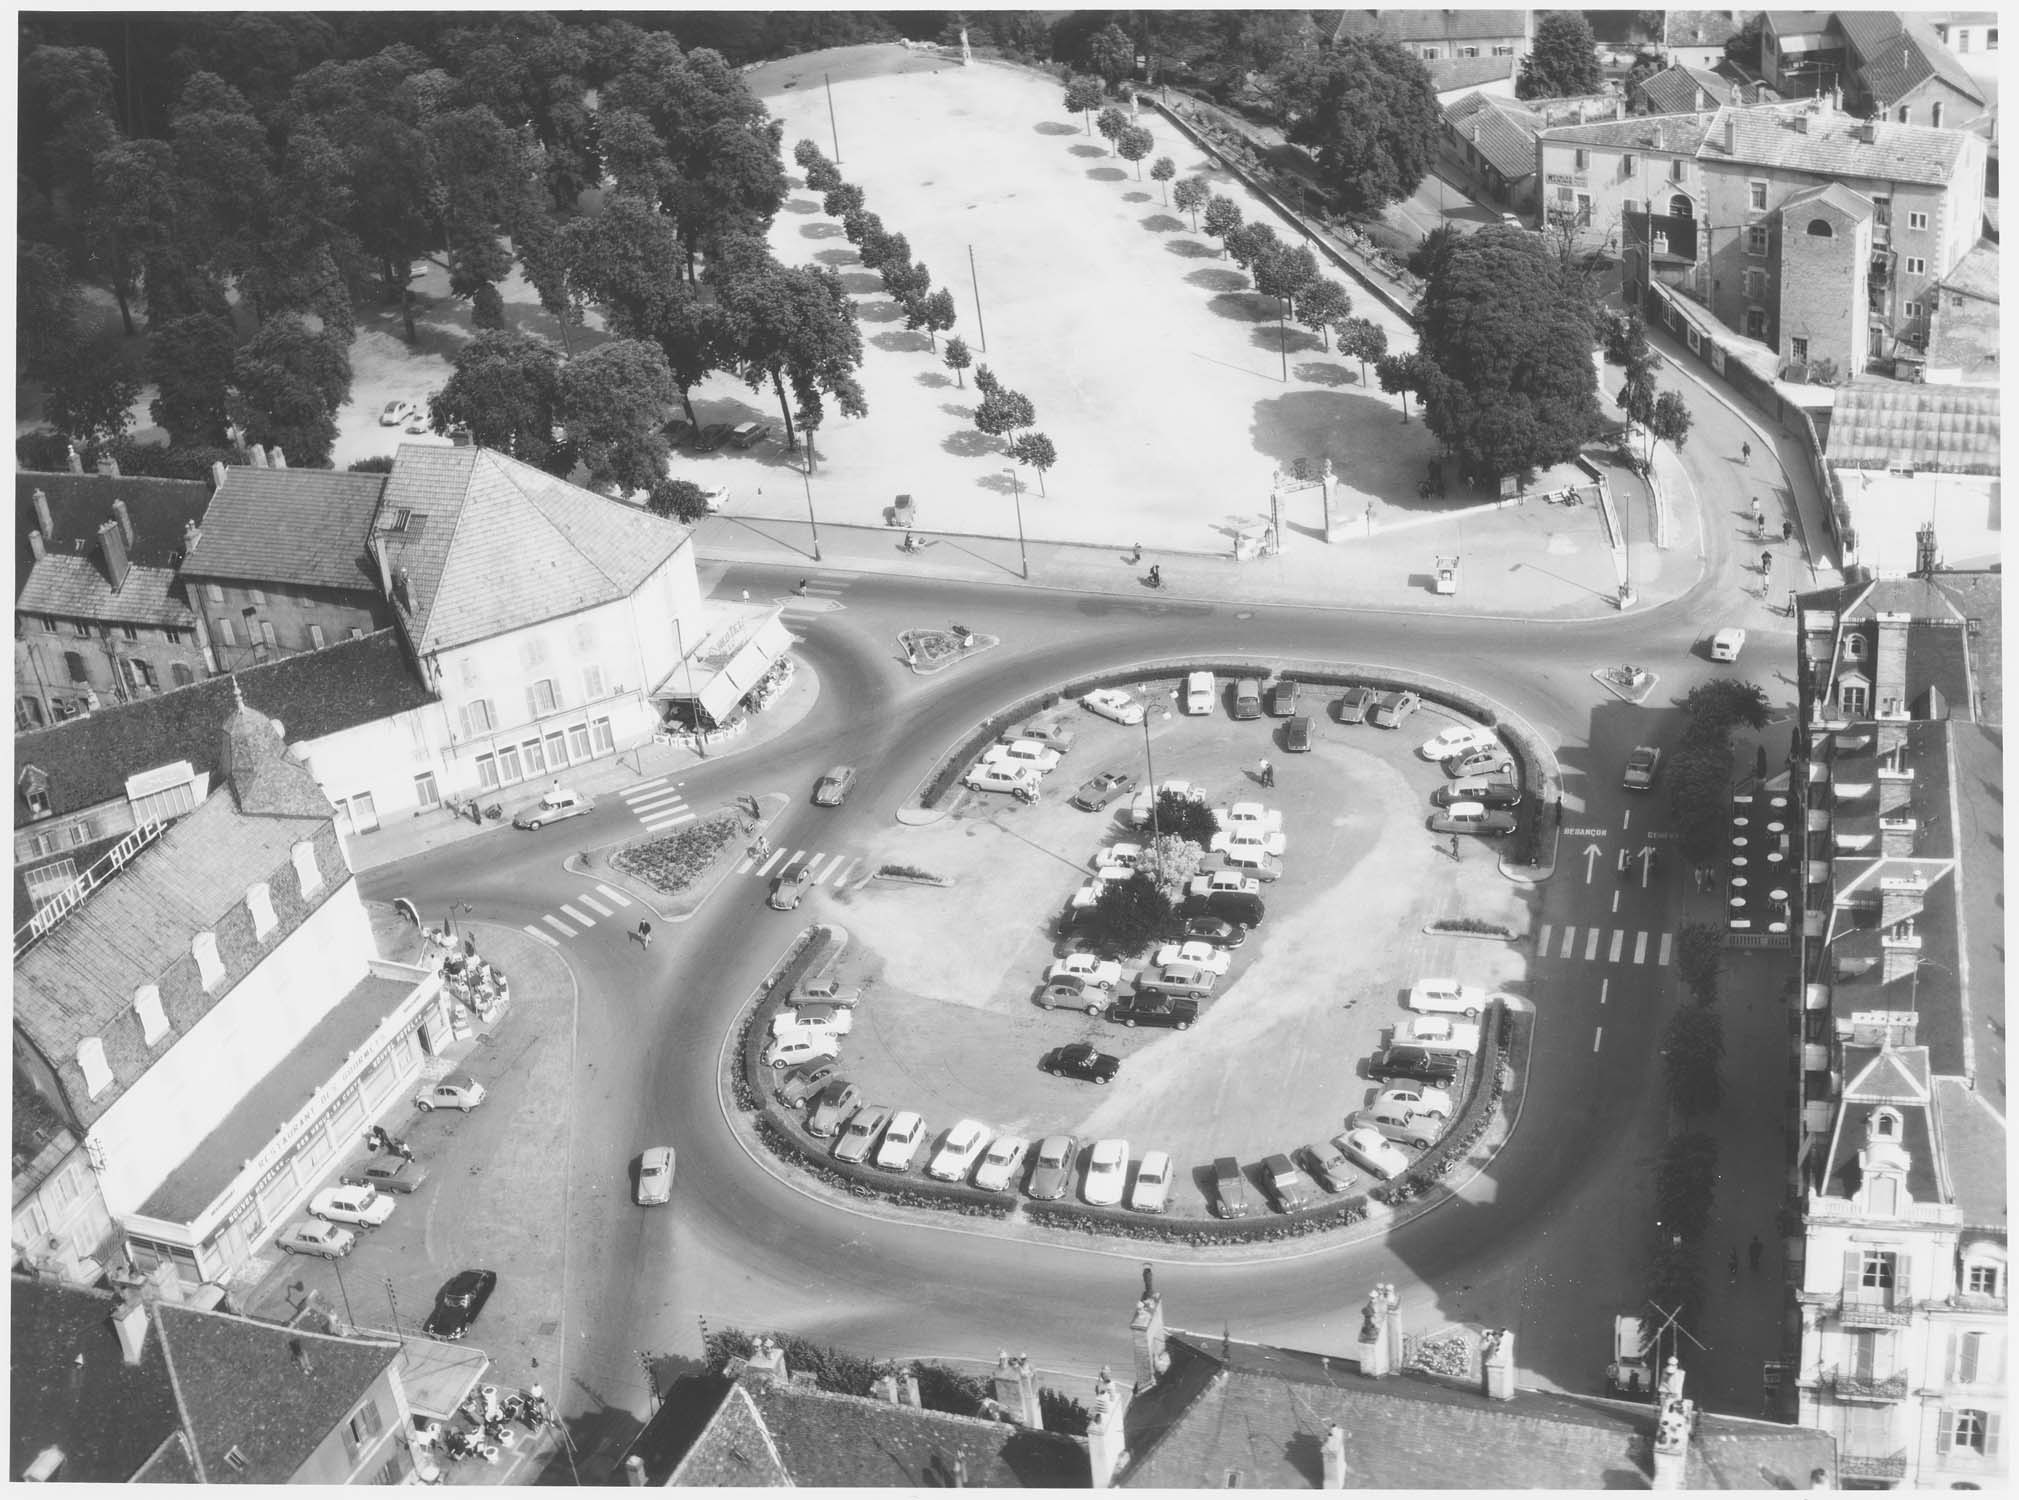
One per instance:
(1121, 1223)
(1456, 1143)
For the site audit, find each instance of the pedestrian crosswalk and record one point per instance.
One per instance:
(828, 869)
(577, 914)
(817, 593)
(658, 804)
(1589, 943)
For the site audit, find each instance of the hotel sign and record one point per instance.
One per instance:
(1567, 179)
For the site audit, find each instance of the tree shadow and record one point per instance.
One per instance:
(1106, 174)
(1088, 148)
(960, 412)
(1317, 374)
(1217, 279)
(1193, 249)
(1137, 195)
(802, 206)
(1237, 306)
(933, 378)
(1163, 224)
(969, 443)
(878, 312)
(861, 283)
(901, 341)
(1294, 339)
(1056, 127)
(822, 230)
(997, 482)
(836, 257)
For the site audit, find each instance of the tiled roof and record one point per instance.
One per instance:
(1448, 73)
(72, 1388)
(312, 694)
(1973, 1148)
(506, 545)
(77, 587)
(1980, 597)
(1899, 1078)
(1766, 136)
(1853, 205)
(1434, 25)
(1502, 133)
(1700, 28)
(1679, 135)
(1676, 91)
(1897, 54)
(80, 503)
(1226, 1409)
(1946, 429)
(294, 526)
(1975, 275)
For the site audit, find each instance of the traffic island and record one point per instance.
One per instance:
(928, 651)
(687, 865)
(1631, 684)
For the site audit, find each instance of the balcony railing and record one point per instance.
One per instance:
(1863, 1312)
(1872, 1466)
(1849, 1387)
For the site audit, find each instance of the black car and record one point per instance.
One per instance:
(1079, 1060)
(1230, 1189)
(1211, 930)
(459, 1301)
(1297, 734)
(1352, 708)
(1237, 907)
(713, 436)
(679, 433)
(1282, 699)
(1417, 1064)
(1103, 789)
(1155, 1010)
(1494, 793)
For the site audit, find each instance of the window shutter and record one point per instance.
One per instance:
(1945, 1434)
(373, 1422)
(1854, 1271)
(1966, 1358)
(1903, 1281)
(1990, 1433)
(532, 702)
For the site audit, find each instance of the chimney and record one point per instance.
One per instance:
(1889, 668)
(216, 473)
(36, 546)
(766, 1361)
(959, 1472)
(129, 1321)
(1016, 1389)
(1107, 1450)
(42, 516)
(109, 467)
(403, 595)
(1731, 136)
(1377, 1341)
(1148, 1329)
(278, 458)
(191, 535)
(1334, 1454)
(634, 1472)
(125, 519)
(1674, 1417)
(884, 1388)
(908, 1390)
(1801, 124)
(112, 541)
(1703, 99)
(1497, 1363)
(257, 454)
(76, 463)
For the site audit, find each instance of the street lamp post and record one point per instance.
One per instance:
(805, 472)
(1150, 770)
(1017, 494)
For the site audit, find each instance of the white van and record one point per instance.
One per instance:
(1199, 693)
(1728, 643)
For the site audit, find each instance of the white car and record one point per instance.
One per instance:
(1374, 1151)
(1205, 955)
(1113, 703)
(398, 413)
(996, 776)
(1000, 1162)
(1107, 1172)
(1199, 693)
(1417, 1099)
(1224, 880)
(957, 1152)
(901, 1141)
(1042, 759)
(1250, 815)
(800, 1045)
(655, 1175)
(814, 1016)
(1447, 996)
(1456, 740)
(1096, 973)
(1123, 857)
(1440, 1034)
(1248, 838)
(365, 1207)
(1153, 1183)
(1140, 805)
(557, 804)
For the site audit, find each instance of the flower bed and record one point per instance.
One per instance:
(675, 862)
(911, 873)
(1137, 1226)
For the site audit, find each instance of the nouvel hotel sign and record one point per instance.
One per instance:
(1566, 179)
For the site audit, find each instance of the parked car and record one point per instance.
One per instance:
(459, 1301)
(1199, 693)
(420, 424)
(832, 789)
(1040, 758)
(1238, 908)
(1283, 697)
(1000, 1162)
(1329, 1167)
(1052, 1167)
(397, 413)
(803, 1082)
(1099, 973)
(1297, 735)
(1248, 698)
(1122, 857)
(388, 1173)
(1643, 764)
(364, 1207)
(1375, 1152)
(679, 432)
(1103, 789)
(1205, 955)
(1396, 1125)
(1070, 992)
(1447, 996)
(1114, 704)
(864, 1126)
(1178, 979)
(1472, 817)
(1487, 791)
(1289, 1187)
(1390, 709)
(1230, 1189)
(1728, 643)
(1353, 705)
(901, 1142)
(457, 1090)
(1440, 1033)
(1152, 1190)
(655, 1175)
(1080, 1060)
(1251, 819)
(1414, 1065)
(1107, 1172)
(1487, 760)
(713, 436)
(800, 1046)
(831, 1110)
(748, 434)
(1232, 882)
(1417, 1099)
(1147, 797)
(1142, 1009)
(789, 888)
(1249, 838)
(1456, 739)
(815, 1015)
(1212, 930)
(557, 804)
(824, 990)
(1054, 732)
(313, 1237)
(958, 1151)
(994, 776)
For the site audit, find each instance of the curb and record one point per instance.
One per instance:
(689, 902)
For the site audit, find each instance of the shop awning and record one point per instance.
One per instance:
(737, 646)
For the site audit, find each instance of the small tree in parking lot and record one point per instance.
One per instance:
(1186, 818)
(1131, 914)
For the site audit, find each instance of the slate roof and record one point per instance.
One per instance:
(1897, 54)
(312, 694)
(206, 1382)
(1259, 1412)
(1981, 597)
(306, 527)
(1502, 133)
(1434, 25)
(1674, 91)
(80, 503)
(1700, 28)
(1973, 1148)
(77, 587)
(1765, 136)
(1898, 1077)
(1851, 204)
(506, 545)
(1946, 429)
(1975, 275)
(1679, 135)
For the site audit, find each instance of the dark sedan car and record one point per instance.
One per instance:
(1230, 1189)
(831, 1111)
(833, 788)
(1103, 789)
(1211, 930)
(1079, 1060)
(1282, 699)
(1417, 1064)
(387, 1173)
(713, 436)
(1352, 708)
(459, 1301)
(1297, 734)
(1494, 792)
(1155, 1010)
(804, 1081)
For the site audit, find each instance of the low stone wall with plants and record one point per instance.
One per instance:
(1336, 1214)
(867, 1182)
(674, 862)
(1503, 1030)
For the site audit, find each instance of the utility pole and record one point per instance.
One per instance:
(980, 327)
(833, 133)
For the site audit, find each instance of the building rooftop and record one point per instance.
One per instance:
(1898, 53)
(1787, 23)
(1684, 90)
(1947, 429)
(312, 694)
(1800, 138)
(1894, 1076)
(1973, 1150)
(1678, 135)
(1502, 132)
(1975, 275)
(305, 527)
(1699, 28)
(1433, 25)
(81, 503)
(1846, 201)
(1977, 598)
(76, 587)
(212, 1165)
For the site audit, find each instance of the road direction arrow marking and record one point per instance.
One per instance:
(1590, 860)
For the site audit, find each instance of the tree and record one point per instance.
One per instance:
(190, 361)
(1186, 818)
(1134, 143)
(842, 199)
(985, 380)
(1111, 54)
(1172, 860)
(823, 177)
(1325, 305)
(612, 402)
(1562, 60)
(1722, 704)
(1428, 249)
(1399, 374)
(1131, 914)
(1686, 1184)
(1693, 1044)
(1284, 271)
(793, 327)
(806, 151)
(957, 357)
(505, 391)
(1111, 122)
(1700, 960)
(1003, 411)
(1374, 122)
(934, 313)
(681, 499)
(1223, 217)
(1162, 170)
(1512, 387)
(287, 383)
(1669, 423)
(89, 392)
(1035, 449)
(1188, 196)
(1083, 97)
(1365, 340)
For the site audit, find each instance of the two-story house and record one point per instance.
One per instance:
(204, 1009)
(1696, 38)
(283, 563)
(100, 615)
(1462, 50)
(1596, 177)
(1898, 69)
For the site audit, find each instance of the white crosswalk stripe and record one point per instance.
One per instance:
(1666, 939)
(594, 905)
(1615, 944)
(658, 805)
(1591, 944)
(667, 820)
(1618, 941)
(841, 871)
(573, 915)
(617, 896)
(545, 937)
(1640, 947)
(558, 925)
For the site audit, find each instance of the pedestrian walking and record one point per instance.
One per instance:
(763, 846)
(1136, 556)
(1753, 1253)
(645, 935)
(801, 589)
(1746, 452)
(1787, 531)
(1265, 774)
(1454, 847)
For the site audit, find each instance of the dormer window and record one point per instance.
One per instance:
(147, 1005)
(97, 1072)
(1886, 1122)
(208, 965)
(306, 870)
(1854, 647)
(35, 792)
(1983, 1279)
(259, 901)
